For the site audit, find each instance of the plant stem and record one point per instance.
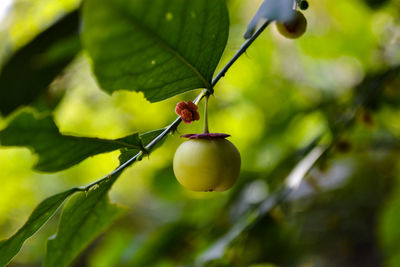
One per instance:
(205, 129)
(174, 125)
(241, 50)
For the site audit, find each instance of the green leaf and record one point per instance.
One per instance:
(146, 138)
(84, 217)
(159, 47)
(10, 247)
(29, 72)
(57, 151)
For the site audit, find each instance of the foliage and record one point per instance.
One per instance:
(40, 61)
(315, 120)
(42, 135)
(166, 48)
(84, 217)
(40, 215)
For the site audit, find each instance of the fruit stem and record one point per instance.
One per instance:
(205, 130)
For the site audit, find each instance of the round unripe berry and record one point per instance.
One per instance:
(207, 164)
(294, 28)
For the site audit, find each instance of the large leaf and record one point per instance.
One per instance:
(28, 73)
(57, 151)
(84, 217)
(159, 47)
(10, 247)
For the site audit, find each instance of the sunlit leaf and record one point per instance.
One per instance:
(159, 47)
(84, 217)
(57, 151)
(10, 247)
(28, 73)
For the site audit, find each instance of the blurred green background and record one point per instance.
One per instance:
(279, 97)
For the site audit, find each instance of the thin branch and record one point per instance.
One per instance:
(178, 120)
(242, 50)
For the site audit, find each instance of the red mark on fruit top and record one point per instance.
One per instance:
(187, 111)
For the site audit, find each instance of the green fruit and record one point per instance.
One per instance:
(207, 164)
(294, 28)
